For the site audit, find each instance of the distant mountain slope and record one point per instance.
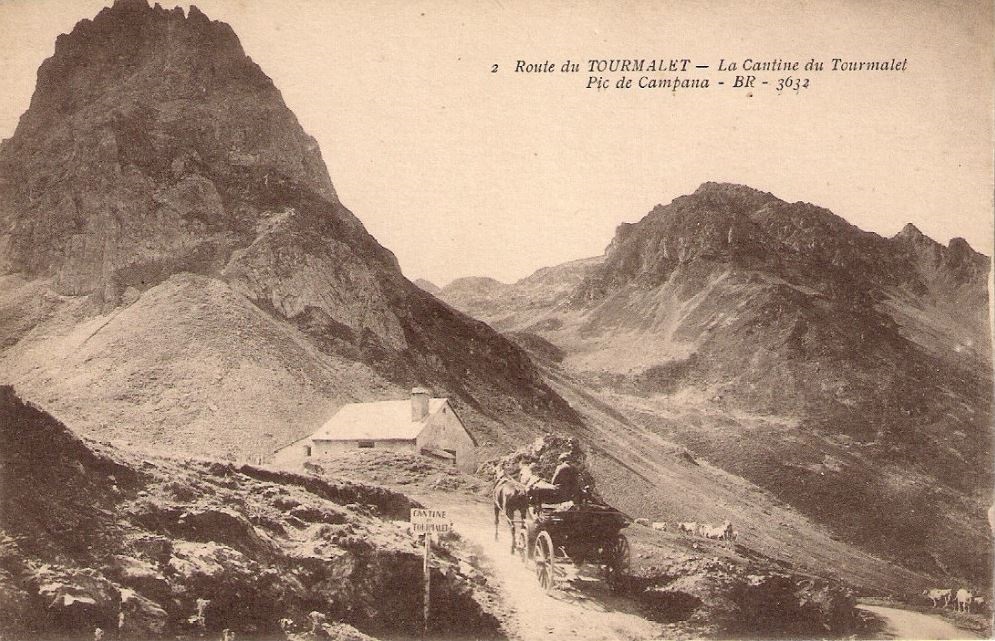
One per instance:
(849, 374)
(547, 289)
(427, 285)
(155, 147)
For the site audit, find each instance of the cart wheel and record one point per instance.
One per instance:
(545, 562)
(616, 555)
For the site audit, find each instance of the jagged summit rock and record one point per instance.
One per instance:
(154, 148)
(739, 225)
(152, 144)
(961, 247)
(734, 192)
(911, 232)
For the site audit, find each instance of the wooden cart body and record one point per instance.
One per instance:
(588, 533)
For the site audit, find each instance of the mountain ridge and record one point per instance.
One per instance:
(840, 363)
(756, 229)
(155, 147)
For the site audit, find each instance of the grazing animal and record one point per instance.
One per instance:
(719, 532)
(510, 498)
(936, 595)
(659, 525)
(688, 527)
(727, 531)
(964, 598)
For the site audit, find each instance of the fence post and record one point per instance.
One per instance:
(428, 580)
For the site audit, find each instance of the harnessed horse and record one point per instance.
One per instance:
(510, 497)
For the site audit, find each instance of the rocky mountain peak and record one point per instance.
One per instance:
(957, 263)
(910, 231)
(732, 191)
(155, 149)
(727, 201)
(960, 247)
(965, 264)
(133, 46)
(153, 144)
(911, 237)
(743, 227)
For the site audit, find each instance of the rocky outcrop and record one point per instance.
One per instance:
(744, 600)
(95, 537)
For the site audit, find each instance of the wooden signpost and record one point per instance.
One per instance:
(428, 522)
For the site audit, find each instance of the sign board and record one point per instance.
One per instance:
(429, 521)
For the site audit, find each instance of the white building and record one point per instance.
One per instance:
(422, 424)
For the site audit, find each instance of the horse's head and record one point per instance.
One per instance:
(526, 476)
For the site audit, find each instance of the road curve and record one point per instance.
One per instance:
(906, 624)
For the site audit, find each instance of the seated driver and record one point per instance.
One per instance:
(566, 479)
(565, 485)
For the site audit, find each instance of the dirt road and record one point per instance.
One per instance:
(584, 610)
(905, 624)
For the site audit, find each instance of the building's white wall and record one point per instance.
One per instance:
(445, 432)
(293, 453)
(324, 448)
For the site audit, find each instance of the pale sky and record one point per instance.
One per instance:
(460, 171)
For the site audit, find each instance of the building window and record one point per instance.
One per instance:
(307, 450)
(366, 444)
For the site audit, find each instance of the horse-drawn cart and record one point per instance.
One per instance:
(556, 536)
(581, 534)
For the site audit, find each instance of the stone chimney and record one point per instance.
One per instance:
(419, 403)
